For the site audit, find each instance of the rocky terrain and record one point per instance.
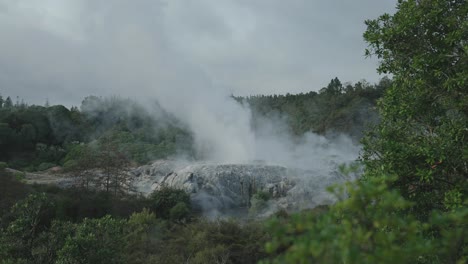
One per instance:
(228, 188)
(45, 177)
(223, 189)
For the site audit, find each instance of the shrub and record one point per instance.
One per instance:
(69, 165)
(259, 202)
(45, 165)
(94, 241)
(370, 223)
(165, 199)
(20, 176)
(179, 211)
(3, 165)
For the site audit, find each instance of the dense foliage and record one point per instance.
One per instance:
(423, 134)
(411, 204)
(45, 224)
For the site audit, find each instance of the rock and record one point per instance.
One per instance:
(230, 187)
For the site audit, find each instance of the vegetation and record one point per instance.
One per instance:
(410, 205)
(337, 108)
(423, 137)
(37, 137)
(170, 203)
(51, 225)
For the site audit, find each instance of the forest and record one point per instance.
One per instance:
(409, 205)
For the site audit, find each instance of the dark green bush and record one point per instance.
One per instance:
(45, 165)
(164, 200)
(179, 211)
(3, 165)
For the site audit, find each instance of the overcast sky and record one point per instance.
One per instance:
(64, 50)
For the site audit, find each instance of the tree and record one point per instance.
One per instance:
(8, 103)
(7, 135)
(335, 86)
(85, 165)
(411, 204)
(27, 136)
(1, 101)
(422, 136)
(114, 168)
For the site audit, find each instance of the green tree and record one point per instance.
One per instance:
(422, 136)
(411, 205)
(85, 165)
(334, 87)
(114, 166)
(94, 241)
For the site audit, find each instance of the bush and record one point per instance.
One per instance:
(259, 203)
(29, 168)
(18, 163)
(179, 211)
(262, 195)
(69, 165)
(45, 165)
(220, 241)
(370, 223)
(164, 200)
(94, 241)
(19, 176)
(3, 165)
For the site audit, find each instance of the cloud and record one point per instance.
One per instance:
(66, 49)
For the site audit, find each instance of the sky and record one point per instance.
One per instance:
(64, 50)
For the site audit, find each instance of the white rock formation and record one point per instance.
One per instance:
(230, 187)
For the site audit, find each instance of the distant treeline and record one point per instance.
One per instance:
(37, 137)
(337, 108)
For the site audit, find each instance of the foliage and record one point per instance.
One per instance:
(20, 239)
(220, 241)
(422, 134)
(144, 237)
(11, 191)
(19, 176)
(370, 224)
(168, 202)
(31, 135)
(113, 165)
(94, 241)
(3, 165)
(411, 205)
(45, 165)
(259, 202)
